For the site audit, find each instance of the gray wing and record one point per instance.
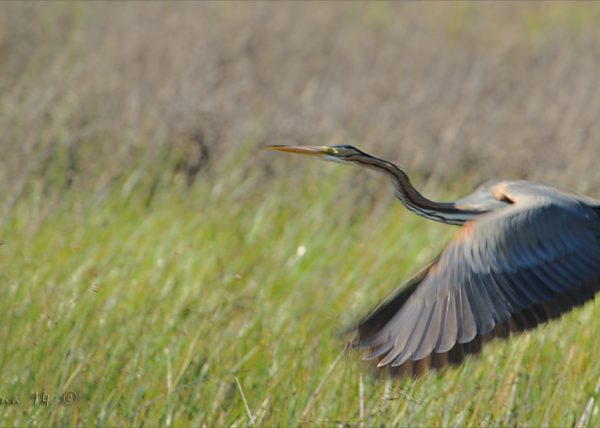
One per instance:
(482, 199)
(507, 271)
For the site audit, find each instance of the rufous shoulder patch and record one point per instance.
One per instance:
(465, 231)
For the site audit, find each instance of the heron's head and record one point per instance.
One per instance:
(339, 153)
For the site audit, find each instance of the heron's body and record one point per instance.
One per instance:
(525, 253)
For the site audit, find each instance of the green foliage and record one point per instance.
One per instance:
(171, 312)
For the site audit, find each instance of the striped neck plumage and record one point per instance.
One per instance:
(443, 212)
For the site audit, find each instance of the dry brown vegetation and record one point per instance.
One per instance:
(489, 90)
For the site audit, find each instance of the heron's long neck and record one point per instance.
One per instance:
(444, 212)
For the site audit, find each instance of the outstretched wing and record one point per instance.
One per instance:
(507, 271)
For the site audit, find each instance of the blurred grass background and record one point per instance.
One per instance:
(159, 263)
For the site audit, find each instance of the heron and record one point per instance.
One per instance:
(525, 253)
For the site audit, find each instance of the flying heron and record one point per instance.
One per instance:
(525, 253)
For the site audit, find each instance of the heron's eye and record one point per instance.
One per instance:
(331, 151)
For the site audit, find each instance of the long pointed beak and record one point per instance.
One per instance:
(301, 150)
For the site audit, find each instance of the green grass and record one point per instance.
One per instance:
(175, 312)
